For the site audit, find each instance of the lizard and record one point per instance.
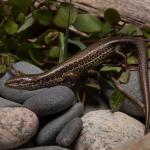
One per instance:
(70, 70)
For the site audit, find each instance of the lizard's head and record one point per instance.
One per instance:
(22, 82)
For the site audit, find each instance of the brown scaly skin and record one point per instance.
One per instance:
(70, 70)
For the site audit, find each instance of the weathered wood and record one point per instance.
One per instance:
(133, 11)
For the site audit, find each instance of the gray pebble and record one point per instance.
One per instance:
(15, 94)
(51, 101)
(49, 132)
(45, 148)
(133, 89)
(69, 133)
(27, 68)
(7, 103)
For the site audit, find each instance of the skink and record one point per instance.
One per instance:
(71, 69)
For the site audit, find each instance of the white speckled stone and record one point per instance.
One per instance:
(17, 125)
(103, 130)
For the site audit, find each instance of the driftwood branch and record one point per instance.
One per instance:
(133, 11)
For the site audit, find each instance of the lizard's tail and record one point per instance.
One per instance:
(143, 70)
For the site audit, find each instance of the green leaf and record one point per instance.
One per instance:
(11, 27)
(112, 15)
(62, 15)
(10, 58)
(7, 59)
(87, 23)
(36, 45)
(146, 32)
(77, 43)
(124, 78)
(41, 38)
(131, 60)
(22, 51)
(54, 52)
(3, 47)
(44, 17)
(131, 30)
(48, 36)
(37, 56)
(21, 18)
(51, 36)
(106, 28)
(3, 68)
(116, 100)
(11, 43)
(149, 53)
(110, 68)
(63, 53)
(20, 5)
(93, 85)
(29, 21)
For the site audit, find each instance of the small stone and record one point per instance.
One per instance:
(7, 103)
(18, 95)
(136, 144)
(45, 148)
(26, 67)
(129, 107)
(48, 133)
(17, 126)
(51, 101)
(69, 133)
(103, 130)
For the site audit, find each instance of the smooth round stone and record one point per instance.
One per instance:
(133, 89)
(130, 107)
(51, 101)
(103, 129)
(27, 68)
(15, 94)
(69, 133)
(7, 103)
(48, 133)
(17, 126)
(45, 148)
